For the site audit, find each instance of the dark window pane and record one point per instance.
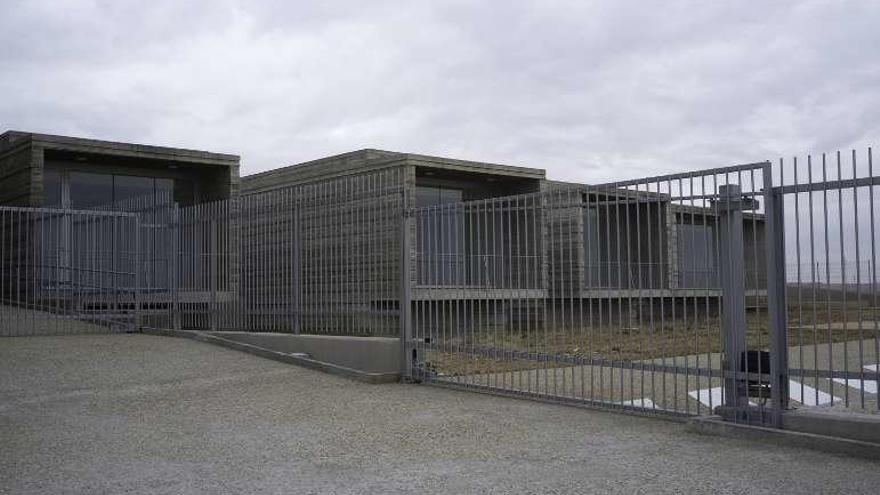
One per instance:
(128, 187)
(51, 188)
(90, 190)
(592, 246)
(696, 256)
(450, 196)
(427, 196)
(442, 243)
(184, 192)
(164, 191)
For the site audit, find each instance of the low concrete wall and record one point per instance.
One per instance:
(367, 354)
(715, 425)
(832, 423)
(369, 359)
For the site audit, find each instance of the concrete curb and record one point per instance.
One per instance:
(325, 367)
(715, 425)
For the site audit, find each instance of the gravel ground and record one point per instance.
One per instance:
(144, 414)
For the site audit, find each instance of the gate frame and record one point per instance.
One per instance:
(774, 221)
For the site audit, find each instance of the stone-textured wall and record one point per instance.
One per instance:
(17, 173)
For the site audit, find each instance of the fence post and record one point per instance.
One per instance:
(297, 270)
(776, 303)
(212, 265)
(174, 258)
(137, 272)
(733, 323)
(405, 297)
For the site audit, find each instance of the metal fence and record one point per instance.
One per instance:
(744, 290)
(831, 288)
(320, 258)
(748, 287)
(64, 271)
(607, 312)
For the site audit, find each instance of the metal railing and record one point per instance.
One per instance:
(66, 271)
(744, 290)
(830, 283)
(638, 332)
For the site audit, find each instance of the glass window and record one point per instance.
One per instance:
(427, 195)
(184, 192)
(450, 196)
(443, 259)
(90, 190)
(164, 191)
(696, 256)
(128, 187)
(51, 188)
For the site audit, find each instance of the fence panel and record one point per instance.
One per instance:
(67, 271)
(752, 288)
(830, 248)
(607, 295)
(320, 258)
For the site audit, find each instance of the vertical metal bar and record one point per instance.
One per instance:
(6, 327)
(873, 265)
(137, 273)
(860, 329)
(776, 294)
(843, 277)
(631, 287)
(797, 235)
(573, 208)
(813, 275)
(587, 284)
(638, 329)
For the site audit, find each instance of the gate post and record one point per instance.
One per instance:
(733, 320)
(405, 296)
(776, 302)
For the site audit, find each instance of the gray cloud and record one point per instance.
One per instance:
(592, 91)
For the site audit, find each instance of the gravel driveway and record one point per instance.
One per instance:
(145, 414)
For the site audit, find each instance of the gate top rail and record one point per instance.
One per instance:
(827, 185)
(686, 175)
(64, 211)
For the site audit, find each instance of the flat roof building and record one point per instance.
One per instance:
(49, 170)
(320, 246)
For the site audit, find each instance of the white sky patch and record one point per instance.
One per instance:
(592, 91)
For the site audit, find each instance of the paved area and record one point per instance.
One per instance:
(144, 414)
(19, 322)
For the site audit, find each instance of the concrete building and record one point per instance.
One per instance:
(316, 246)
(76, 263)
(364, 194)
(496, 241)
(47, 170)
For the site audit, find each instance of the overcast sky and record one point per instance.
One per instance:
(590, 90)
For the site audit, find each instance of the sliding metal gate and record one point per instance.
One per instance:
(673, 295)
